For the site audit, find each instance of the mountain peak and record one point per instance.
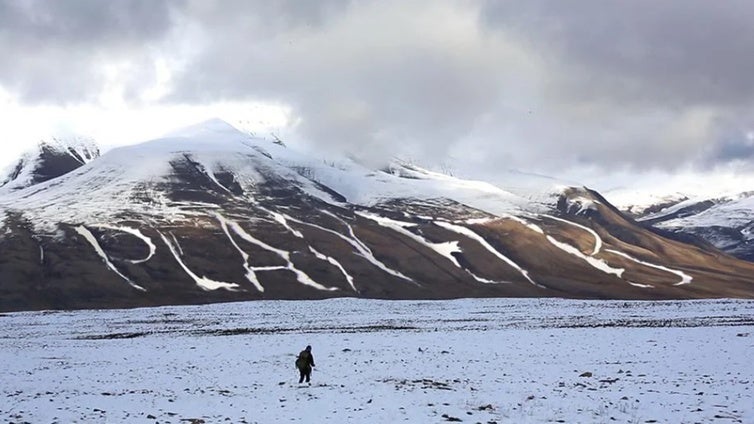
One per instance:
(214, 126)
(51, 158)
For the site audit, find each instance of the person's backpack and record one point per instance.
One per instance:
(302, 360)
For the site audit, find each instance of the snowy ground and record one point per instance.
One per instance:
(484, 361)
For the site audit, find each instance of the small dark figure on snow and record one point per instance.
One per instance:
(304, 363)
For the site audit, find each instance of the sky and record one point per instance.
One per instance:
(611, 94)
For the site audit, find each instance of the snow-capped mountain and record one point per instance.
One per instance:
(727, 222)
(638, 204)
(211, 214)
(50, 159)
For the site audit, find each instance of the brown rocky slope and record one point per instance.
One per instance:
(229, 218)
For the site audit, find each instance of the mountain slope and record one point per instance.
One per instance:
(209, 214)
(50, 159)
(726, 222)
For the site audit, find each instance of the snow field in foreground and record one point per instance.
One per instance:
(495, 360)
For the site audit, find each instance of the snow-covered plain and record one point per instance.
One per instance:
(495, 360)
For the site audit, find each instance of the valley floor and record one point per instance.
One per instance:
(495, 360)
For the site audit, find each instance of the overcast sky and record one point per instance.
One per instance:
(590, 90)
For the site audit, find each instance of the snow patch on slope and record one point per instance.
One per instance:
(597, 238)
(361, 248)
(203, 282)
(138, 234)
(445, 249)
(530, 225)
(89, 237)
(581, 204)
(685, 278)
(301, 276)
(282, 219)
(250, 274)
(594, 262)
(336, 264)
(479, 239)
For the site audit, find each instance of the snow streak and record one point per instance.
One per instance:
(88, 236)
(136, 233)
(534, 227)
(597, 238)
(599, 264)
(644, 286)
(203, 282)
(214, 179)
(301, 276)
(250, 274)
(337, 264)
(596, 263)
(445, 249)
(178, 245)
(208, 172)
(361, 249)
(474, 236)
(685, 278)
(584, 204)
(282, 220)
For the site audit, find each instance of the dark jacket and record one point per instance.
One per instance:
(305, 360)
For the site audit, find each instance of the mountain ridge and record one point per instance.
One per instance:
(211, 214)
(51, 158)
(727, 222)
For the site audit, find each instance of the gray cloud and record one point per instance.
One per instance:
(735, 149)
(261, 16)
(647, 84)
(377, 78)
(542, 86)
(534, 85)
(83, 23)
(56, 51)
(656, 52)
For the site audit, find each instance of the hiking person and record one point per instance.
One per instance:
(304, 363)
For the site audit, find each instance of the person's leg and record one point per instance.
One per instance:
(308, 374)
(301, 379)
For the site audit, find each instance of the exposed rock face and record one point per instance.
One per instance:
(211, 215)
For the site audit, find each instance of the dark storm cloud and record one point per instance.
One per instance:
(53, 50)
